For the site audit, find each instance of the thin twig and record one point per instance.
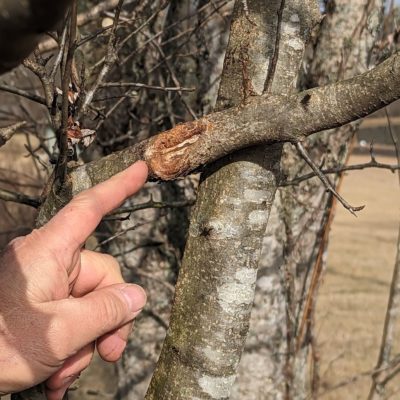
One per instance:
(8, 132)
(174, 79)
(156, 316)
(393, 364)
(37, 66)
(112, 109)
(121, 233)
(144, 86)
(325, 181)
(23, 93)
(83, 19)
(59, 57)
(62, 137)
(109, 60)
(153, 204)
(20, 198)
(339, 169)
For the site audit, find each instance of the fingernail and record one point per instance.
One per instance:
(135, 296)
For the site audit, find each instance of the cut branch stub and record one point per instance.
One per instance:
(169, 154)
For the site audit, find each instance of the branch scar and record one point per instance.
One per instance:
(170, 154)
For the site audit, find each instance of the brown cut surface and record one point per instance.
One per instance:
(354, 293)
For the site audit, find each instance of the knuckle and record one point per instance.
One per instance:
(59, 332)
(16, 243)
(112, 310)
(112, 267)
(88, 202)
(11, 250)
(83, 205)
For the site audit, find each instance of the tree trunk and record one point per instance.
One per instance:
(276, 356)
(156, 266)
(215, 289)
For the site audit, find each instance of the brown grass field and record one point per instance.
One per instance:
(354, 293)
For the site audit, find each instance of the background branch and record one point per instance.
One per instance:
(20, 198)
(8, 132)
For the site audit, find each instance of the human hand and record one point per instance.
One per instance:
(57, 300)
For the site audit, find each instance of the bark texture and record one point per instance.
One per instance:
(265, 119)
(156, 266)
(216, 283)
(278, 348)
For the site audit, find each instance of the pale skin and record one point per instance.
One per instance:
(60, 302)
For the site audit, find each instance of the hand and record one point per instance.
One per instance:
(57, 300)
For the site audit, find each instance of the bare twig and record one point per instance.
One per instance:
(20, 198)
(325, 180)
(174, 79)
(83, 19)
(157, 317)
(144, 86)
(121, 233)
(112, 109)
(344, 168)
(393, 364)
(8, 132)
(60, 54)
(23, 93)
(109, 60)
(62, 137)
(37, 66)
(153, 204)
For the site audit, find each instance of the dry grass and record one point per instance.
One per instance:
(353, 296)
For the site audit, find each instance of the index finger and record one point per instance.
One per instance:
(79, 218)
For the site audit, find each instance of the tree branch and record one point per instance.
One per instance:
(265, 119)
(328, 185)
(153, 204)
(379, 380)
(144, 86)
(275, 118)
(20, 198)
(339, 169)
(23, 93)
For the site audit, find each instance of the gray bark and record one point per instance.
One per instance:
(274, 351)
(156, 267)
(266, 119)
(214, 294)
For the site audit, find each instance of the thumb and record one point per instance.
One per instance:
(83, 320)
